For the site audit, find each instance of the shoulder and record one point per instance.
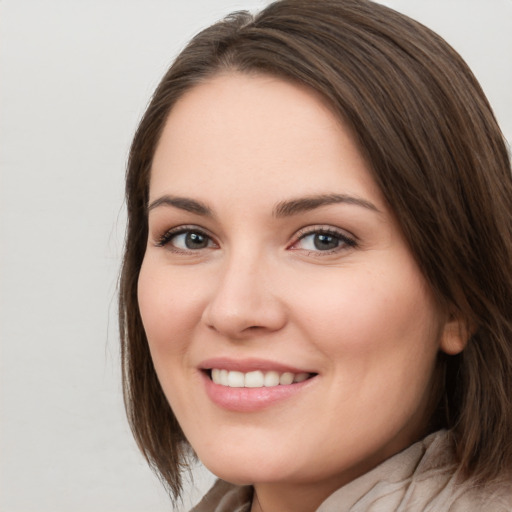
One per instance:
(437, 475)
(492, 497)
(437, 481)
(425, 478)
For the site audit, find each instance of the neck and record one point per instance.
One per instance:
(291, 498)
(264, 502)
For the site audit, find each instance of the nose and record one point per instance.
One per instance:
(245, 301)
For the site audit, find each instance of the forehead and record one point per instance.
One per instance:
(256, 131)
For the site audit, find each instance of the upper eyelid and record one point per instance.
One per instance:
(159, 239)
(187, 227)
(324, 228)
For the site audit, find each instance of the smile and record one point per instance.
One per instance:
(256, 379)
(255, 389)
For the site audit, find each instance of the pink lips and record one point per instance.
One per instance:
(249, 399)
(249, 365)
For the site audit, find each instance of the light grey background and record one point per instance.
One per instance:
(75, 78)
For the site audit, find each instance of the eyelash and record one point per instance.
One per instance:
(168, 236)
(343, 239)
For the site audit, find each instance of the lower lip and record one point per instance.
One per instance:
(251, 399)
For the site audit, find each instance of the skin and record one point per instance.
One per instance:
(359, 315)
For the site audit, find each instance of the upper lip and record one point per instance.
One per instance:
(249, 365)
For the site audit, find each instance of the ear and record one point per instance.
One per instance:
(454, 336)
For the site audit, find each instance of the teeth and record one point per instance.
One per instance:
(286, 379)
(256, 379)
(301, 377)
(236, 380)
(271, 379)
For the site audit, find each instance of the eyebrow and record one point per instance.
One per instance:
(283, 209)
(304, 204)
(183, 203)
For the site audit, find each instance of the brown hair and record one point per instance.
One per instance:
(437, 154)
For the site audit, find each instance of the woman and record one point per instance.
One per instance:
(316, 290)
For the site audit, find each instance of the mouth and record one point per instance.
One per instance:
(256, 378)
(253, 385)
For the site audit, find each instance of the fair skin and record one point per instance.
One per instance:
(271, 251)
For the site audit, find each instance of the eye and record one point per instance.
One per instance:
(322, 240)
(184, 239)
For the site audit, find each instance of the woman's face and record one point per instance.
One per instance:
(272, 257)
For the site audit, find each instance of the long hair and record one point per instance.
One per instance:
(435, 150)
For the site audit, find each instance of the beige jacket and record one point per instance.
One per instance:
(421, 478)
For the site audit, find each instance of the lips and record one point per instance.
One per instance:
(252, 385)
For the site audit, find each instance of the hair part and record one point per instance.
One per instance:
(435, 150)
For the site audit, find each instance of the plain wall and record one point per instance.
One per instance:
(75, 78)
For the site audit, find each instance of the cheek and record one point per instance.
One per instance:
(369, 317)
(379, 335)
(169, 308)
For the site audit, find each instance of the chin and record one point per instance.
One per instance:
(246, 468)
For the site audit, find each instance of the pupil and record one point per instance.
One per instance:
(195, 241)
(325, 242)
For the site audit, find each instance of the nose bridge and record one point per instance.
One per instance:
(244, 298)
